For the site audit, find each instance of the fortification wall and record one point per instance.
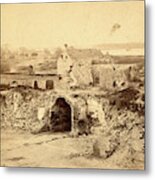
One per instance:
(30, 109)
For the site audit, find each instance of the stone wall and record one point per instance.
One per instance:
(27, 80)
(111, 76)
(30, 109)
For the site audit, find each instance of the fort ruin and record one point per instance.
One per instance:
(80, 87)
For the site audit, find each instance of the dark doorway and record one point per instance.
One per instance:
(60, 116)
(114, 84)
(35, 85)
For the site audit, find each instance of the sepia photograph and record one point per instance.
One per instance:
(72, 85)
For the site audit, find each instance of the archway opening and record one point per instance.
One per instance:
(60, 118)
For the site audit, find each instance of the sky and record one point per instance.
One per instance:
(48, 25)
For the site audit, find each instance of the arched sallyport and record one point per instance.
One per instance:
(61, 116)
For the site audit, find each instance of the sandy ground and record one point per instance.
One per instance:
(50, 150)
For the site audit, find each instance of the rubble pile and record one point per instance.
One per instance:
(123, 138)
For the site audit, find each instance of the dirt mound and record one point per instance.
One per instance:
(130, 99)
(122, 140)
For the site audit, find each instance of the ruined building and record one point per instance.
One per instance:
(66, 101)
